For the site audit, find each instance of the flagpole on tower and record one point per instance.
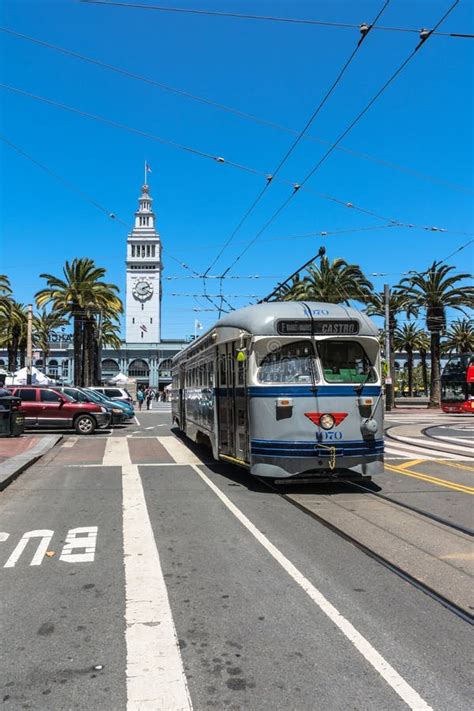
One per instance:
(145, 171)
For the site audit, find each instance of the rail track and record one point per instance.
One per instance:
(403, 574)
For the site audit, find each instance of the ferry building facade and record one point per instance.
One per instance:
(144, 355)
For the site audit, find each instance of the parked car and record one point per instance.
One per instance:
(44, 407)
(98, 397)
(116, 412)
(113, 393)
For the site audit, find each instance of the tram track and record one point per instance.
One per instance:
(433, 445)
(382, 560)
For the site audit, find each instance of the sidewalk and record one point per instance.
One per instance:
(18, 453)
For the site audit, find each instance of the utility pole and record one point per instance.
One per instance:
(388, 354)
(29, 345)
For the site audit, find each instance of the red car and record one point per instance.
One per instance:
(49, 409)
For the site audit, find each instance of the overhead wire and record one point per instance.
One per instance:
(299, 137)
(266, 18)
(359, 116)
(232, 110)
(215, 158)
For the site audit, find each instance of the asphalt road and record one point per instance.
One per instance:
(271, 609)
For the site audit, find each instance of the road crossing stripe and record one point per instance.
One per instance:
(432, 480)
(116, 452)
(178, 451)
(401, 687)
(70, 442)
(418, 441)
(411, 463)
(155, 674)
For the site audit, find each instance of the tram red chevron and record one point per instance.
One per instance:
(315, 417)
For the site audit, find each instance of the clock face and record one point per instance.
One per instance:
(143, 290)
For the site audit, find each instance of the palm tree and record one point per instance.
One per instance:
(43, 324)
(436, 290)
(294, 292)
(407, 339)
(398, 303)
(460, 337)
(337, 282)
(80, 294)
(13, 327)
(108, 334)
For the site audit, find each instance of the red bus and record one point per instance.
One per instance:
(457, 384)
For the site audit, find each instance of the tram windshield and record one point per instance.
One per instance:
(345, 362)
(456, 391)
(288, 363)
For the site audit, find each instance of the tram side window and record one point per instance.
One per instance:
(291, 363)
(345, 362)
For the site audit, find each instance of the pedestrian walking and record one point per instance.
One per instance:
(140, 398)
(149, 395)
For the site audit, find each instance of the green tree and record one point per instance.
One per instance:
(108, 334)
(43, 324)
(398, 304)
(81, 294)
(460, 337)
(13, 329)
(335, 282)
(407, 339)
(424, 348)
(436, 290)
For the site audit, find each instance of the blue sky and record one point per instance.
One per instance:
(279, 72)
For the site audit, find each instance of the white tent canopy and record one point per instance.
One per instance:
(21, 377)
(119, 379)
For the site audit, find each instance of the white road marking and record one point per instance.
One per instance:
(455, 439)
(45, 535)
(84, 538)
(3, 536)
(155, 675)
(176, 449)
(70, 442)
(150, 428)
(374, 658)
(116, 452)
(136, 420)
(419, 441)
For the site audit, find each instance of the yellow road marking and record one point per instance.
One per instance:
(412, 463)
(433, 480)
(455, 464)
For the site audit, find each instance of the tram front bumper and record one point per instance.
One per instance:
(315, 468)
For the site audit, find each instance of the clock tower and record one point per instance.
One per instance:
(143, 302)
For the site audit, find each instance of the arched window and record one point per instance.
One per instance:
(39, 362)
(2, 363)
(139, 369)
(110, 366)
(164, 368)
(52, 368)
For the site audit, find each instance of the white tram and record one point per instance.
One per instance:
(285, 389)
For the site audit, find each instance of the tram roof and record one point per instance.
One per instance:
(261, 319)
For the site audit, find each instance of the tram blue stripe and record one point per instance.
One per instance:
(318, 391)
(311, 443)
(314, 455)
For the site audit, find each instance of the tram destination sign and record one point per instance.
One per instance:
(318, 328)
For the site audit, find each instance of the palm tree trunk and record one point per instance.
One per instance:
(410, 372)
(435, 394)
(89, 352)
(424, 372)
(77, 343)
(392, 370)
(11, 359)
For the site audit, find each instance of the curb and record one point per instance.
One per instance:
(12, 468)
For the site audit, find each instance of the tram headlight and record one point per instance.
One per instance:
(327, 421)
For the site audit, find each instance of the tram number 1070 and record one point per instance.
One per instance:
(329, 435)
